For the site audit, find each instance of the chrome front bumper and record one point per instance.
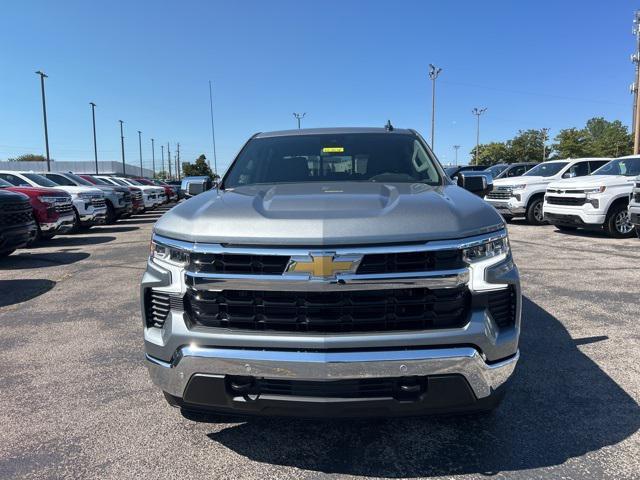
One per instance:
(172, 377)
(62, 224)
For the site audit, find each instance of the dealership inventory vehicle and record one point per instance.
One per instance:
(505, 170)
(88, 203)
(117, 199)
(598, 201)
(137, 204)
(334, 272)
(634, 206)
(17, 227)
(195, 185)
(52, 209)
(452, 172)
(170, 194)
(151, 196)
(524, 196)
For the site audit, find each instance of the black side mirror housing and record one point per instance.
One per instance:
(478, 184)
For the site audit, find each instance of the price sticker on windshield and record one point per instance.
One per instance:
(333, 150)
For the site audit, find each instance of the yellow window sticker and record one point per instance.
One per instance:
(332, 149)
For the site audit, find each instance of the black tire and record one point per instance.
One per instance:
(618, 223)
(508, 218)
(111, 214)
(6, 253)
(534, 212)
(637, 229)
(566, 228)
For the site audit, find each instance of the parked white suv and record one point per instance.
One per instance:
(523, 196)
(89, 203)
(598, 201)
(150, 195)
(634, 206)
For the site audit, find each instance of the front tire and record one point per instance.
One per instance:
(618, 223)
(111, 214)
(534, 213)
(6, 253)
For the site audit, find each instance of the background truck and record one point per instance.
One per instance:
(17, 227)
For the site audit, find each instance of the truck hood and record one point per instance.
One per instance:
(592, 181)
(107, 189)
(76, 190)
(35, 191)
(329, 214)
(522, 180)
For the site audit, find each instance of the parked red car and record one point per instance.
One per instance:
(52, 209)
(169, 192)
(136, 193)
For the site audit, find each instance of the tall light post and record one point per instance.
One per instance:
(124, 169)
(213, 132)
(169, 159)
(153, 157)
(299, 116)
(140, 150)
(162, 150)
(456, 148)
(95, 145)
(44, 114)
(433, 75)
(545, 134)
(477, 112)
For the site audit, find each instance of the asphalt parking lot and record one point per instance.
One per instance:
(76, 400)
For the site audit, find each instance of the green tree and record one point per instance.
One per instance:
(29, 157)
(571, 143)
(527, 146)
(199, 168)
(162, 175)
(608, 139)
(490, 154)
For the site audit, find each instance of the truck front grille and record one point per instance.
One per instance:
(98, 202)
(238, 263)
(500, 193)
(502, 306)
(64, 208)
(157, 306)
(573, 201)
(137, 196)
(357, 388)
(349, 311)
(16, 214)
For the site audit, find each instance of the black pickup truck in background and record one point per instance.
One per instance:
(17, 226)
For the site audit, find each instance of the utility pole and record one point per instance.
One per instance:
(213, 132)
(433, 75)
(163, 172)
(635, 58)
(477, 112)
(299, 116)
(140, 150)
(456, 148)
(545, 134)
(95, 146)
(178, 160)
(124, 169)
(44, 114)
(153, 158)
(169, 159)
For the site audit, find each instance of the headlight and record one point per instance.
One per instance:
(172, 255)
(86, 196)
(50, 200)
(488, 249)
(595, 190)
(520, 186)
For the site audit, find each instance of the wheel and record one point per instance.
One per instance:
(566, 228)
(534, 212)
(618, 223)
(111, 214)
(6, 253)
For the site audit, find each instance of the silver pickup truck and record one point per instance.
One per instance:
(333, 272)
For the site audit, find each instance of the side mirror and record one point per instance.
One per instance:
(194, 188)
(477, 184)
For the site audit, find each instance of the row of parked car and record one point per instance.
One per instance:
(589, 193)
(37, 206)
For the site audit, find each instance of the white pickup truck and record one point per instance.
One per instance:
(634, 207)
(523, 196)
(599, 201)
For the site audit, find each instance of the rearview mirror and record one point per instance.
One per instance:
(478, 184)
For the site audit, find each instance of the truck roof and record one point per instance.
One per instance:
(329, 131)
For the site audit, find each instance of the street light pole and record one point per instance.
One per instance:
(163, 172)
(213, 132)
(477, 112)
(124, 169)
(140, 150)
(433, 75)
(456, 148)
(153, 158)
(299, 116)
(178, 160)
(95, 145)
(44, 114)
(169, 159)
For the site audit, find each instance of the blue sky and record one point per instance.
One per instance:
(346, 63)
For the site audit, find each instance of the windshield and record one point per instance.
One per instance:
(98, 181)
(117, 181)
(496, 170)
(5, 184)
(629, 167)
(349, 157)
(130, 181)
(40, 180)
(546, 169)
(79, 179)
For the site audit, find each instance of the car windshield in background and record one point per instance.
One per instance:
(546, 169)
(119, 182)
(629, 167)
(5, 184)
(99, 181)
(496, 170)
(132, 182)
(350, 157)
(79, 180)
(40, 180)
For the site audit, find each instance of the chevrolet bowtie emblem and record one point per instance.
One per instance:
(323, 265)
